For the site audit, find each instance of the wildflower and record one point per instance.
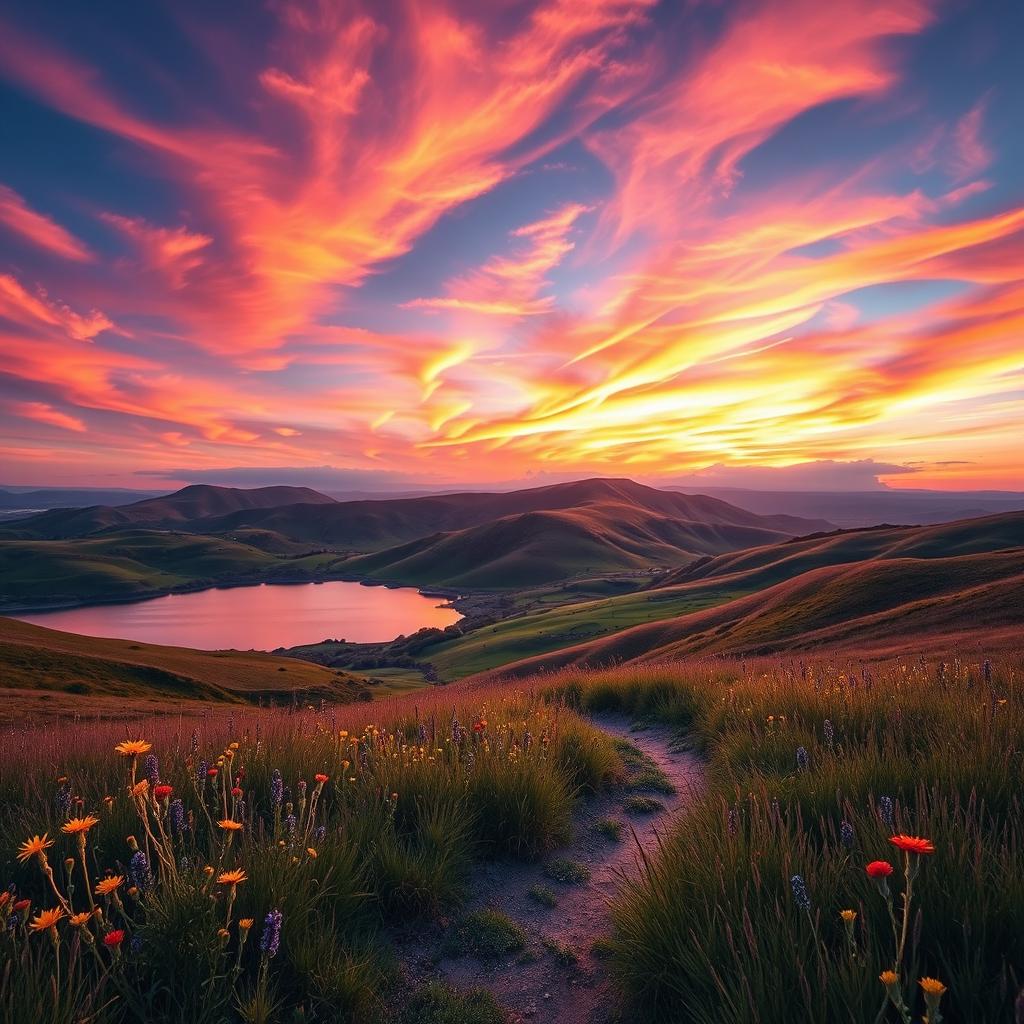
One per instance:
(888, 978)
(176, 813)
(933, 990)
(245, 924)
(152, 769)
(320, 833)
(108, 886)
(802, 762)
(846, 836)
(321, 778)
(234, 877)
(236, 792)
(208, 870)
(276, 788)
(879, 869)
(311, 852)
(162, 792)
(138, 868)
(135, 944)
(114, 939)
(79, 826)
(80, 920)
(212, 773)
(46, 919)
(912, 844)
(733, 821)
(141, 788)
(886, 811)
(35, 847)
(230, 826)
(21, 905)
(133, 748)
(291, 823)
(800, 897)
(849, 916)
(270, 940)
(829, 731)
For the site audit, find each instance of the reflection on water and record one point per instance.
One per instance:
(262, 617)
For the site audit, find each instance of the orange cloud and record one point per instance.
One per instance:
(43, 413)
(19, 217)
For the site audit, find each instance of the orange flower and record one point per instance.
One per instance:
(77, 826)
(46, 919)
(912, 844)
(80, 920)
(233, 877)
(109, 885)
(230, 826)
(133, 748)
(34, 847)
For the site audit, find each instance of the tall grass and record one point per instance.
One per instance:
(344, 825)
(811, 769)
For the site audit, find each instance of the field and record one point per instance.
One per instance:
(755, 906)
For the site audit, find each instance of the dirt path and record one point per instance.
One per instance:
(542, 982)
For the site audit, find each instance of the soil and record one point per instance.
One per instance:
(537, 983)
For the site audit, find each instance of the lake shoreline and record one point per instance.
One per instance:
(453, 597)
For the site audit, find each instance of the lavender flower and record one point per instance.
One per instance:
(270, 940)
(201, 770)
(63, 800)
(176, 813)
(135, 944)
(421, 733)
(800, 897)
(846, 836)
(290, 823)
(986, 669)
(138, 868)
(802, 762)
(829, 731)
(887, 812)
(152, 769)
(320, 833)
(276, 788)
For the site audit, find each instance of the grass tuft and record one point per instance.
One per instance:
(568, 872)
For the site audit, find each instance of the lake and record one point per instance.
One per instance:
(261, 617)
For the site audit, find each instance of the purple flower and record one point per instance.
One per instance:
(829, 731)
(846, 834)
(802, 762)
(152, 769)
(290, 823)
(176, 813)
(270, 940)
(800, 897)
(886, 812)
(276, 788)
(138, 868)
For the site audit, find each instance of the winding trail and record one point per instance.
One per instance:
(537, 984)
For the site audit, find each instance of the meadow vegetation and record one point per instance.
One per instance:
(834, 793)
(244, 867)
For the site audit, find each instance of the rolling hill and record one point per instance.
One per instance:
(190, 505)
(45, 668)
(712, 582)
(850, 605)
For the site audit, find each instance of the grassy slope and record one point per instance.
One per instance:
(833, 606)
(711, 583)
(532, 548)
(74, 672)
(136, 562)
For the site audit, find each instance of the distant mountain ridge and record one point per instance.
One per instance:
(302, 514)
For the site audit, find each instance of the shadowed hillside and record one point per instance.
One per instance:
(44, 669)
(833, 606)
(542, 546)
(714, 581)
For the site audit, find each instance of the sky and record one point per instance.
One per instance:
(463, 242)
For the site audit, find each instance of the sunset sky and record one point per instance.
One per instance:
(479, 241)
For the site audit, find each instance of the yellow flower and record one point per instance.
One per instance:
(108, 885)
(932, 987)
(77, 826)
(233, 877)
(849, 916)
(230, 826)
(133, 748)
(888, 978)
(34, 847)
(78, 920)
(46, 919)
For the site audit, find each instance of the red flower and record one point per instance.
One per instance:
(162, 792)
(321, 778)
(114, 939)
(236, 793)
(22, 905)
(879, 869)
(213, 772)
(912, 844)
